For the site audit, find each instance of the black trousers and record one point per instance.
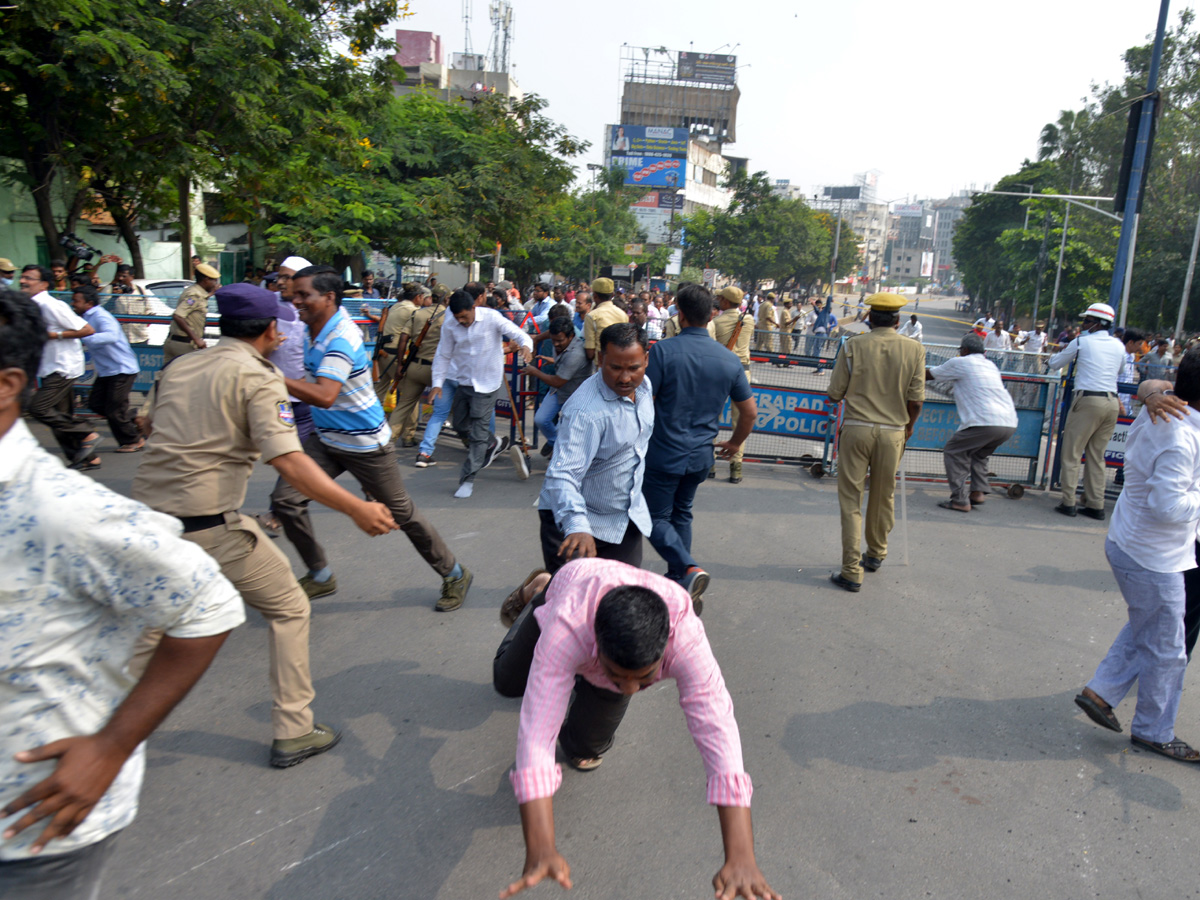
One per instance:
(110, 398)
(54, 406)
(66, 876)
(595, 713)
(628, 551)
(1191, 610)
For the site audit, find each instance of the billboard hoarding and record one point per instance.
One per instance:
(709, 68)
(644, 171)
(648, 140)
(909, 211)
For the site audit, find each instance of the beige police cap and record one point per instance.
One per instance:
(732, 294)
(207, 271)
(771, 295)
(886, 302)
(603, 286)
(441, 290)
(6, 265)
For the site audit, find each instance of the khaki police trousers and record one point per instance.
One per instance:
(863, 448)
(1089, 428)
(417, 377)
(764, 339)
(737, 457)
(264, 578)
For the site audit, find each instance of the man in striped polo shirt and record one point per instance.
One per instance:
(352, 435)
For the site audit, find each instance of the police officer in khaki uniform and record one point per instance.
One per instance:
(212, 417)
(733, 329)
(419, 374)
(603, 314)
(399, 315)
(787, 322)
(765, 341)
(191, 315)
(881, 376)
(671, 328)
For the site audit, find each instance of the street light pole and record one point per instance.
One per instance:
(1062, 249)
(837, 241)
(1187, 283)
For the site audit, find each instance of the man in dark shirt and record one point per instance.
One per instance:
(692, 377)
(571, 369)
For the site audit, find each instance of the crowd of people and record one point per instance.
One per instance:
(631, 430)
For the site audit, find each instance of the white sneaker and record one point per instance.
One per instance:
(464, 490)
(518, 458)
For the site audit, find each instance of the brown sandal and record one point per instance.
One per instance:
(515, 602)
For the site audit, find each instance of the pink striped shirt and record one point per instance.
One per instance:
(567, 647)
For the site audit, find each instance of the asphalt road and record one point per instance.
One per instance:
(917, 739)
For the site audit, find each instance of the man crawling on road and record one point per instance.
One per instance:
(605, 631)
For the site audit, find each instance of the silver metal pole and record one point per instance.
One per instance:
(1129, 269)
(1187, 284)
(1062, 249)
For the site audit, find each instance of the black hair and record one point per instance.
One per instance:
(325, 280)
(460, 301)
(475, 289)
(562, 325)
(44, 273)
(542, 286)
(88, 292)
(245, 328)
(410, 290)
(632, 626)
(124, 267)
(22, 334)
(601, 297)
(80, 278)
(497, 299)
(1187, 377)
(559, 311)
(883, 318)
(695, 303)
(1133, 334)
(622, 334)
(58, 262)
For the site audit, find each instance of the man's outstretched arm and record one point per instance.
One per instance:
(740, 877)
(542, 859)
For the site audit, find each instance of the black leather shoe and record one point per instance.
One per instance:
(1066, 510)
(1097, 514)
(871, 563)
(845, 583)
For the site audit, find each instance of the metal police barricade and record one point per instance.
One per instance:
(789, 390)
(1020, 461)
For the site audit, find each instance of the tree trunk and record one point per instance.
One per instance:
(184, 187)
(125, 226)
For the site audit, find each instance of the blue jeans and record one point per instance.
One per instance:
(1149, 649)
(544, 420)
(670, 497)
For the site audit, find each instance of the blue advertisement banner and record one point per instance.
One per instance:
(648, 171)
(939, 420)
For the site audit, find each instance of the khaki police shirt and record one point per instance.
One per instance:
(671, 329)
(601, 316)
(766, 316)
(723, 327)
(878, 373)
(193, 309)
(398, 319)
(429, 344)
(214, 413)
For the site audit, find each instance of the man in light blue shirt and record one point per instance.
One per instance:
(542, 304)
(591, 502)
(116, 368)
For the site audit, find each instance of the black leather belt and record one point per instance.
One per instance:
(179, 337)
(199, 523)
(1097, 393)
(424, 362)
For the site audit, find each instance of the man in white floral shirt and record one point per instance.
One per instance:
(85, 571)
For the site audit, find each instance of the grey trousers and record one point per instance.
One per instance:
(63, 876)
(471, 418)
(379, 476)
(966, 453)
(1089, 428)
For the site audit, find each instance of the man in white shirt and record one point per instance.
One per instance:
(1034, 341)
(987, 418)
(913, 329)
(1149, 547)
(61, 366)
(85, 572)
(473, 344)
(1094, 409)
(998, 339)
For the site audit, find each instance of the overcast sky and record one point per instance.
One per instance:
(936, 95)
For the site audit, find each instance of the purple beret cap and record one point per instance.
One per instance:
(247, 301)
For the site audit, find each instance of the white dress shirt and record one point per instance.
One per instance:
(979, 391)
(476, 353)
(63, 357)
(1001, 341)
(1101, 359)
(913, 330)
(85, 571)
(1033, 341)
(1159, 508)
